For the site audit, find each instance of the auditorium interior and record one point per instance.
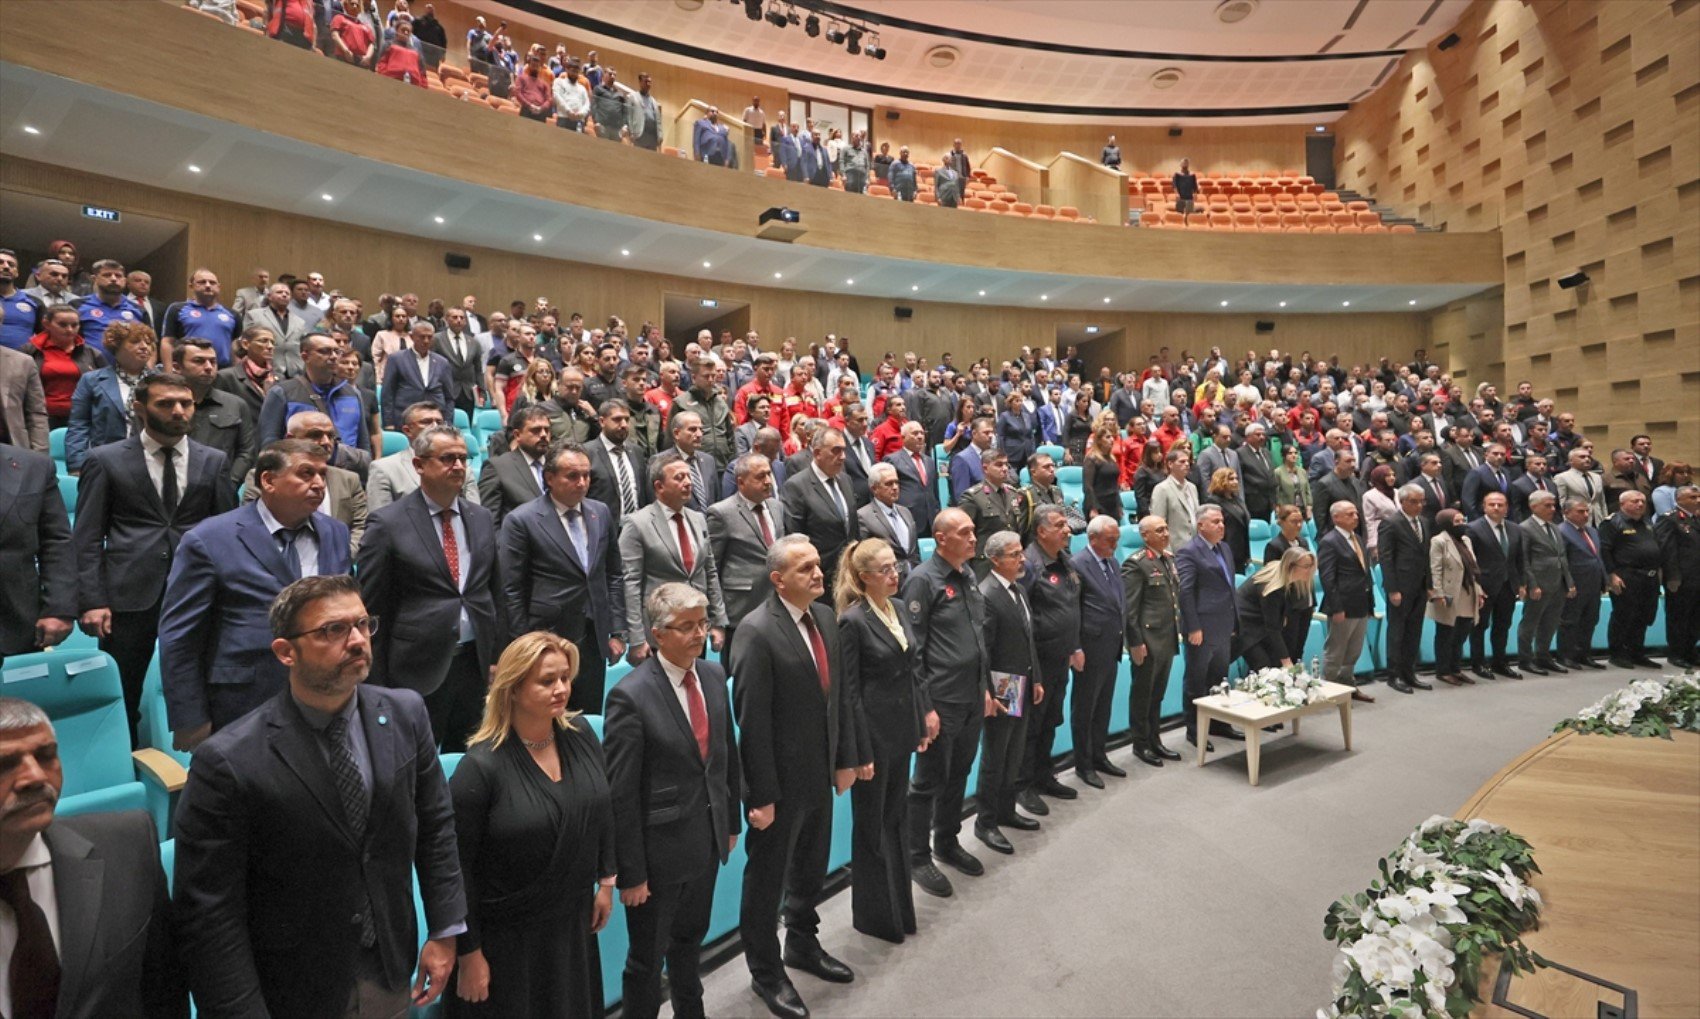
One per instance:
(1500, 194)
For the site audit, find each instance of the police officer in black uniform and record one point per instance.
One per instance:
(1631, 553)
(1053, 591)
(1679, 542)
(993, 506)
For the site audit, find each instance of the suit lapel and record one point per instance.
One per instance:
(77, 880)
(11, 481)
(556, 528)
(291, 741)
(252, 533)
(658, 524)
(380, 747)
(420, 514)
(138, 466)
(661, 688)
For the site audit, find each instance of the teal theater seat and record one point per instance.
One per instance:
(489, 422)
(56, 445)
(1056, 453)
(394, 442)
(68, 494)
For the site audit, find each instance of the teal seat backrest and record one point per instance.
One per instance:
(489, 421)
(56, 444)
(83, 696)
(394, 442)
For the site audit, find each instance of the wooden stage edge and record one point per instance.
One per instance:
(1615, 827)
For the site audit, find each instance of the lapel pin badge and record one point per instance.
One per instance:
(383, 720)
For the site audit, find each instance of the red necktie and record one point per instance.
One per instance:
(766, 531)
(451, 550)
(1590, 540)
(699, 714)
(920, 467)
(818, 646)
(684, 544)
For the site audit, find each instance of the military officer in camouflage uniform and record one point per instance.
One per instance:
(1153, 636)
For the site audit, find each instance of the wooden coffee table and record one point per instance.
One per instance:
(1252, 715)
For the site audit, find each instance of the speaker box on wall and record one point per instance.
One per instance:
(903, 313)
(1264, 326)
(456, 261)
(892, 114)
(1174, 132)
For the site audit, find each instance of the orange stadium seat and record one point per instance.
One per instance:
(926, 198)
(1292, 219)
(1323, 228)
(1316, 219)
(1021, 208)
(1349, 228)
(1402, 228)
(973, 203)
(877, 190)
(1374, 228)
(251, 8)
(1358, 206)
(1368, 218)
(1268, 221)
(1044, 211)
(1340, 219)
(774, 172)
(1070, 212)
(1218, 220)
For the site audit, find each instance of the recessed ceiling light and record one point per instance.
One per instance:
(1224, 304)
(1283, 304)
(1345, 304)
(1412, 302)
(31, 129)
(982, 293)
(625, 252)
(1044, 297)
(708, 265)
(193, 168)
(778, 275)
(849, 283)
(1106, 300)
(537, 237)
(914, 287)
(439, 219)
(327, 198)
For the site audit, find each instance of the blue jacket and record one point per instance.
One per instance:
(98, 416)
(341, 402)
(214, 628)
(1206, 596)
(403, 387)
(790, 156)
(1103, 601)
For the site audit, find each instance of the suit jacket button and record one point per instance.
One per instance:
(355, 918)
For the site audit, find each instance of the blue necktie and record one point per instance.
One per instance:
(286, 538)
(1222, 559)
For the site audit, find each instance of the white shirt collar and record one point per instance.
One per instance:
(1008, 585)
(796, 613)
(35, 854)
(273, 524)
(675, 675)
(561, 510)
(151, 446)
(821, 475)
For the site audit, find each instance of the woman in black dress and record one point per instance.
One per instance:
(1275, 606)
(1236, 519)
(1290, 520)
(536, 834)
(1151, 472)
(893, 720)
(1077, 430)
(1101, 476)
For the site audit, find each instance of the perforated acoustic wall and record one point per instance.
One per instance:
(1575, 128)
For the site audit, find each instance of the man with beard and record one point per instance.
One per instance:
(135, 500)
(221, 420)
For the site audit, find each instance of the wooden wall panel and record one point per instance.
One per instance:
(1574, 126)
(233, 239)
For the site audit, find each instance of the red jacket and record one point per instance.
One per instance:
(398, 61)
(297, 14)
(888, 437)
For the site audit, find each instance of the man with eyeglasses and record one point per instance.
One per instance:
(312, 813)
(428, 562)
(575, 587)
(228, 571)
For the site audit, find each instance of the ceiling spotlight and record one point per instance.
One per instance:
(707, 265)
(1345, 304)
(1044, 297)
(439, 219)
(914, 288)
(835, 34)
(752, 9)
(1224, 304)
(31, 129)
(874, 49)
(1106, 300)
(982, 293)
(327, 198)
(1320, 129)
(1283, 304)
(778, 275)
(811, 26)
(1412, 302)
(849, 283)
(625, 252)
(853, 43)
(193, 168)
(537, 237)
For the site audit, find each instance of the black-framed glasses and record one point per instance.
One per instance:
(701, 626)
(337, 632)
(449, 459)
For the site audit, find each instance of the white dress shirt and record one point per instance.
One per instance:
(156, 463)
(463, 553)
(803, 631)
(306, 544)
(832, 490)
(39, 863)
(424, 368)
(676, 679)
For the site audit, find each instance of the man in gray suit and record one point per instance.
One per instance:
(23, 404)
(741, 528)
(884, 517)
(1549, 584)
(391, 477)
(663, 542)
(1219, 454)
(273, 313)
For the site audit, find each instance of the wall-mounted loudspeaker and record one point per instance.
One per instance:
(1450, 41)
(1174, 132)
(902, 313)
(1573, 280)
(892, 114)
(1265, 326)
(456, 261)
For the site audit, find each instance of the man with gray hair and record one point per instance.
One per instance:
(1343, 570)
(78, 881)
(819, 502)
(1403, 545)
(883, 517)
(1206, 572)
(344, 497)
(666, 541)
(1679, 539)
(741, 528)
(1103, 603)
(1017, 688)
(1052, 585)
(1548, 582)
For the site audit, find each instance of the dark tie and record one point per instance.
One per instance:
(699, 713)
(1499, 479)
(34, 972)
(628, 494)
(1020, 604)
(286, 538)
(685, 556)
(168, 488)
(818, 647)
(761, 518)
(356, 805)
(698, 493)
(1227, 571)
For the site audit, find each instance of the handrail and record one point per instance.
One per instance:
(1093, 163)
(999, 150)
(698, 104)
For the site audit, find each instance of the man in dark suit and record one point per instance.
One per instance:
(1402, 546)
(1460, 456)
(90, 918)
(798, 741)
(300, 829)
(818, 500)
(1257, 472)
(221, 421)
(1342, 568)
(1491, 476)
(1205, 570)
(39, 601)
(1103, 601)
(1679, 542)
(135, 500)
(1342, 484)
(884, 517)
(1153, 624)
(461, 350)
(214, 662)
(966, 469)
(561, 572)
(618, 477)
(741, 528)
(917, 476)
(1013, 661)
(1499, 554)
(1052, 586)
(417, 374)
(1588, 572)
(1430, 477)
(858, 451)
(1549, 586)
(428, 564)
(674, 779)
(516, 477)
(687, 430)
(1535, 478)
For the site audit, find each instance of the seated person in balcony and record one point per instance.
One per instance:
(1186, 188)
(947, 183)
(711, 140)
(572, 99)
(352, 40)
(400, 60)
(609, 106)
(901, 175)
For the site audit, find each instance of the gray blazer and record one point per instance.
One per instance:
(286, 356)
(650, 553)
(391, 477)
(1570, 484)
(875, 524)
(23, 403)
(1546, 564)
(740, 554)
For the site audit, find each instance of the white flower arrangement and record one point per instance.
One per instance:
(1646, 707)
(1276, 688)
(1412, 945)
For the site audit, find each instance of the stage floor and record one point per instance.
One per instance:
(1615, 826)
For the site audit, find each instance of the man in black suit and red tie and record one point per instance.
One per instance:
(673, 776)
(798, 744)
(917, 476)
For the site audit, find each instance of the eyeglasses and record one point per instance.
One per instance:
(692, 629)
(337, 632)
(449, 459)
(889, 569)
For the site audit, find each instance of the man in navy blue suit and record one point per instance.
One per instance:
(966, 471)
(1489, 477)
(215, 661)
(562, 571)
(1205, 567)
(1103, 599)
(418, 375)
(1588, 573)
(917, 476)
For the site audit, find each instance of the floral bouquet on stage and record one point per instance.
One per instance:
(1276, 688)
(1412, 945)
(1646, 707)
